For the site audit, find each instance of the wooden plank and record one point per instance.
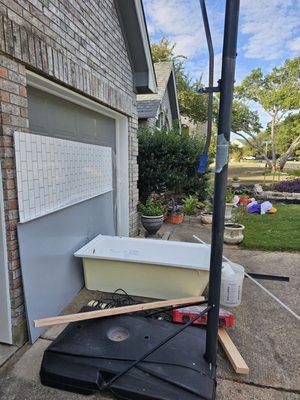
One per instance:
(234, 356)
(64, 319)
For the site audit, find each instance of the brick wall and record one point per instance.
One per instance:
(79, 44)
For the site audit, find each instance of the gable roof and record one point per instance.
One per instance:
(148, 104)
(133, 24)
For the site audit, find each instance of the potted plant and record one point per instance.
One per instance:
(229, 204)
(233, 233)
(175, 215)
(206, 216)
(235, 182)
(190, 204)
(152, 215)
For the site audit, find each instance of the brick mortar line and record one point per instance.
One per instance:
(108, 67)
(64, 84)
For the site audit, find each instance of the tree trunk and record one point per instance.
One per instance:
(273, 140)
(281, 161)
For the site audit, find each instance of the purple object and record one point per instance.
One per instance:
(253, 207)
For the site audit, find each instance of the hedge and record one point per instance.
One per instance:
(168, 162)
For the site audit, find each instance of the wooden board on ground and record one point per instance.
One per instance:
(234, 356)
(65, 319)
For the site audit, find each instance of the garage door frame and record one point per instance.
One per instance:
(121, 123)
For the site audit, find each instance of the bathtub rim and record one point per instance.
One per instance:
(83, 252)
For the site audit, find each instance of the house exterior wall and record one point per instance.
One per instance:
(147, 123)
(78, 44)
(166, 106)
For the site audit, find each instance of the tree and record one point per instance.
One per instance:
(236, 152)
(191, 104)
(164, 51)
(278, 92)
(287, 132)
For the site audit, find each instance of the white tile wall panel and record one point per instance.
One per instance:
(55, 173)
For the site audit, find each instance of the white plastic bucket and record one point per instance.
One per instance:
(231, 284)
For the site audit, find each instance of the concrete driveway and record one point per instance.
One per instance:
(266, 335)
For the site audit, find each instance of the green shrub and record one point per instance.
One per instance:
(190, 204)
(151, 208)
(168, 162)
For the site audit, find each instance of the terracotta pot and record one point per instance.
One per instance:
(228, 211)
(176, 219)
(206, 218)
(152, 223)
(233, 233)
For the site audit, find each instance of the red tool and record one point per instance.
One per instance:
(183, 315)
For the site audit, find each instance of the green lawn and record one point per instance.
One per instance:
(277, 232)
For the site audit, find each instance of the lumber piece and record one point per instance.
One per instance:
(234, 356)
(64, 319)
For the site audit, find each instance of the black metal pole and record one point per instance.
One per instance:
(224, 127)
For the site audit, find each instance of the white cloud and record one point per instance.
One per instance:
(181, 22)
(295, 45)
(270, 25)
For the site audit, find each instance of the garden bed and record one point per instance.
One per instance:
(285, 191)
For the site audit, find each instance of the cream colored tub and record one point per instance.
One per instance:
(145, 267)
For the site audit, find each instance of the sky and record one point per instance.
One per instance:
(269, 32)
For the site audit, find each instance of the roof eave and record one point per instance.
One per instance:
(132, 20)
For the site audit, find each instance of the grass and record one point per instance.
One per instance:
(253, 171)
(277, 232)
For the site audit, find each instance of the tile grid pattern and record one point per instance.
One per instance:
(54, 173)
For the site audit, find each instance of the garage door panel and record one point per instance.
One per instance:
(51, 274)
(53, 116)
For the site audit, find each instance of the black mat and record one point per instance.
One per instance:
(89, 353)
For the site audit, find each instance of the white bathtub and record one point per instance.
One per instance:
(145, 267)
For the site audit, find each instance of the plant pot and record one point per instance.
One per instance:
(228, 211)
(152, 223)
(233, 233)
(235, 185)
(206, 218)
(176, 219)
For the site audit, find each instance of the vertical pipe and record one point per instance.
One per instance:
(224, 127)
(210, 76)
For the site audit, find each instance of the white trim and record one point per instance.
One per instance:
(5, 305)
(121, 120)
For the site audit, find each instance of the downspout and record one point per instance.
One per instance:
(224, 128)
(210, 90)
